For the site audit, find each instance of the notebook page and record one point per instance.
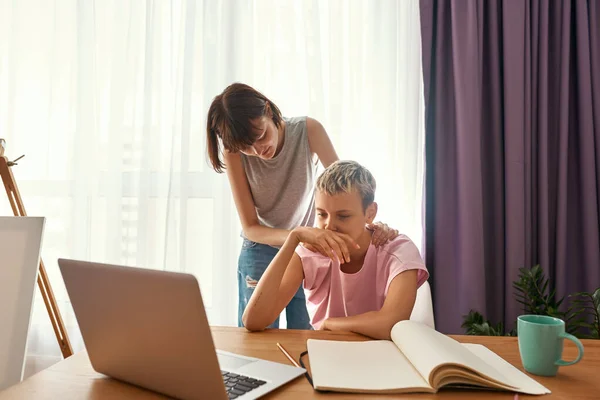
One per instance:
(375, 365)
(427, 348)
(524, 383)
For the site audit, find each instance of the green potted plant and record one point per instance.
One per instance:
(532, 291)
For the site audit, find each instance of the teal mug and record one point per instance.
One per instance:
(541, 344)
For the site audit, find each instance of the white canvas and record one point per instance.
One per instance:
(20, 247)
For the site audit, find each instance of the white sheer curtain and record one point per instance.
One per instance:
(108, 99)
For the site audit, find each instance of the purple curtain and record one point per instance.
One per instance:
(512, 95)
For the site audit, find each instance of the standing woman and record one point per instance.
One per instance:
(271, 164)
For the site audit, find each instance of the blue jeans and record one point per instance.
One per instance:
(254, 260)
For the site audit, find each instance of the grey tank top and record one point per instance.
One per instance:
(283, 187)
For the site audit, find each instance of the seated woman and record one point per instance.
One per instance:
(360, 288)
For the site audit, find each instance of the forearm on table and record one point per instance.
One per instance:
(374, 324)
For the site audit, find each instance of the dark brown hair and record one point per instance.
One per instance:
(229, 121)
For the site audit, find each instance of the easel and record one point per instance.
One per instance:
(16, 203)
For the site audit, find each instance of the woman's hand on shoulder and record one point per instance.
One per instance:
(329, 243)
(381, 233)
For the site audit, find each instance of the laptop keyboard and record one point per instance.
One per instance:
(238, 385)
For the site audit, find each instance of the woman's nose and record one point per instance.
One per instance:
(329, 225)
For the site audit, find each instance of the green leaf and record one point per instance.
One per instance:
(475, 324)
(544, 287)
(586, 325)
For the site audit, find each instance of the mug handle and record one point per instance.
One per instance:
(572, 338)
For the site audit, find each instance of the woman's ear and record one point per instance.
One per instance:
(371, 212)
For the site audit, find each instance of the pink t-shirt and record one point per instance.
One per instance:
(333, 293)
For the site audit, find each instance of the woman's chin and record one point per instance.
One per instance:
(268, 155)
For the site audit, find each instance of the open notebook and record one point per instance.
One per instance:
(418, 359)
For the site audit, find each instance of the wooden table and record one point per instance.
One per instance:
(74, 377)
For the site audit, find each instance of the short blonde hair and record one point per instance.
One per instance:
(344, 176)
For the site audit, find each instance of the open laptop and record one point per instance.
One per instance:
(149, 328)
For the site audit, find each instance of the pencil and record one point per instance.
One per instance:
(288, 355)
